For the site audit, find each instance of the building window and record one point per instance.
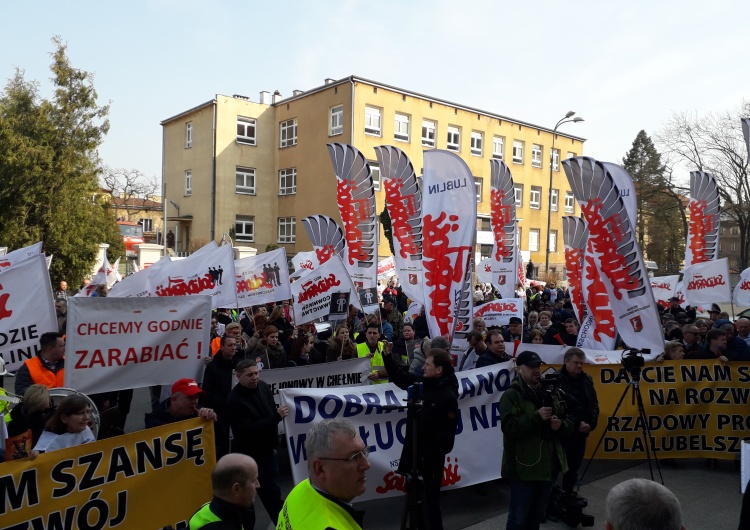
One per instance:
(517, 152)
(484, 224)
(245, 130)
(189, 134)
(287, 230)
(735, 230)
(734, 246)
(288, 181)
(337, 121)
(454, 138)
(244, 228)
(401, 127)
(534, 240)
(519, 238)
(147, 224)
(555, 154)
(288, 133)
(188, 182)
(245, 180)
(375, 176)
(428, 133)
(552, 243)
(570, 202)
(485, 251)
(535, 198)
(498, 148)
(372, 121)
(518, 191)
(536, 155)
(571, 154)
(478, 187)
(554, 200)
(476, 143)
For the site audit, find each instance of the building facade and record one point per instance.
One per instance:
(255, 170)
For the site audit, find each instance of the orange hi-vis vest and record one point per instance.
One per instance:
(41, 376)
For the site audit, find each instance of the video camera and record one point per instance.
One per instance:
(632, 361)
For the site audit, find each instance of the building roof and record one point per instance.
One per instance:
(135, 203)
(189, 111)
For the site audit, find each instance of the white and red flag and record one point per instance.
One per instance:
(326, 236)
(313, 291)
(664, 288)
(575, 236)
(17, 256)
(707, 283)
(386, 268)
(263, 278)
(107, 274)
(504, 256)
(449, 212)
(403, 199)
(355, 194)
(703, 226)
(742, 289)
(617, 256)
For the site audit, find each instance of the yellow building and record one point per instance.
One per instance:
(258, 169)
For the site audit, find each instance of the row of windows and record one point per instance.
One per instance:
(245, 181)
(533, 242)
(244, 229)
(535, 197)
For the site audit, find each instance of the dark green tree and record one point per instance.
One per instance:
(385, 222)
(49, 170)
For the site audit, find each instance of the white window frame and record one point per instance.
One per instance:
(477, 140)
(246, 123)
(375, 168)
(570, 202)
(288, 133)
(288, 181)
(552, 241)
(498, 147)
(453, 138)
(401, 127)
(734, 246)
(478, 188)
(571, 154)
(535, 197)
(147, 224)
(519, 236)
(518, 194)
(246, 173)
(373, 121)
(189, 135)
(245, 221)
(188, 182)
(555, 159)
(536, 155)
(533, 240)
(555, 200)
(518, 152)
(336, 121)
(287, 231)
(429, 133)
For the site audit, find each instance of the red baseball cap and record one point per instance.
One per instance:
(188, 387)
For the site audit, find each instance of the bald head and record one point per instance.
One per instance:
(235, 479)
(743, 327)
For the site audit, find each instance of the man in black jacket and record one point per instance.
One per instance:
(254, 418)
(436, 427)
(217, 383)
(583, 411)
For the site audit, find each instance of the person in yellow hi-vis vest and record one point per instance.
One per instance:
(373, 348)
(337, 464)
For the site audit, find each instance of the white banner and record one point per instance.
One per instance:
(304, 261)
(403, 198)
(26, 309)
(664, 288)
(386, 268)
(704, 219)
(708, 282)
(624, 183)
(118, 343)
(504, 257)
(384, 431)
(17, 256)
(312, 292)
(349, 372)
(262, 279)
(449, 217)
(575, 236)
(597, 330)
(742, 289)
(498, 313)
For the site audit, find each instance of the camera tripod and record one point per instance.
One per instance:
(633, 377)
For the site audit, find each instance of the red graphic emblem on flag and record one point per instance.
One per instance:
(413, 279)
(4, 311)
(637, 323)
(501, 279)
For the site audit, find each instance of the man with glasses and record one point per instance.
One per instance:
(337, 465)
(691, 339)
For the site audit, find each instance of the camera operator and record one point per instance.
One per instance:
(436, 423)
(583, 411)
(534, 423)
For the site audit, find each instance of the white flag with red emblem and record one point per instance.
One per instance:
(262, 279)
(313, 291)
(449, 212)
(386, 268)
(707, 283)
(664, 288)
(703, 227)
(26, 310)
(504, 256)
(742, 289)
(17, 256)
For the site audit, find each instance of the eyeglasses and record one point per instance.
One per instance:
(85, 413)
(356, 457)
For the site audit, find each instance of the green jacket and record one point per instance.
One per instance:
(526, 454)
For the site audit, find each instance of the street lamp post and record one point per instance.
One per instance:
(566, 119)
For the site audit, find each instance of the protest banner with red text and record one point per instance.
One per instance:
(118, 343)
(26, 309)
(707, 282)
(449, 211)
(664, 288)
(155, 478)
(741, 293)
(403, 198)
(304, 261)
(498, 312)
(326, 236)
(386, 268)
(504, 256)
(313, 290)
(262, 279)
(704, 219)
(575, 236)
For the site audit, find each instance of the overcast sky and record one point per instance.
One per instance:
(622, 66)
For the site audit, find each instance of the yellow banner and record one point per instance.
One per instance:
(146, 479)
(694, 409)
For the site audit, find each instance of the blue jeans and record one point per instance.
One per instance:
(528, 502)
